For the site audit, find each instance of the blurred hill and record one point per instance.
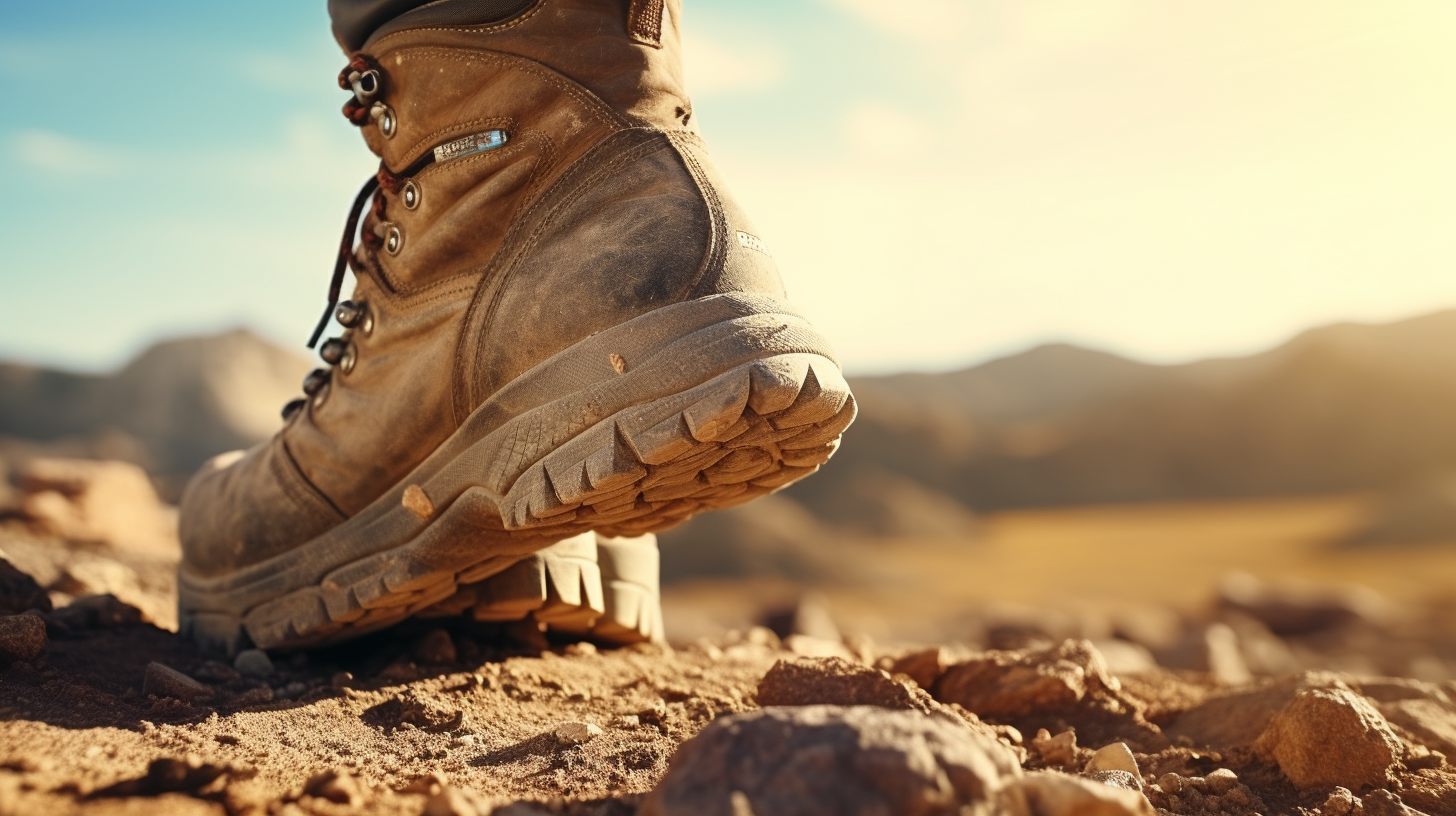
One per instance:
(1341, 408)
(168, 410)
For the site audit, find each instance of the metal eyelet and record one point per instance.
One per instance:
(365, 85)
(332, 350)
(366, 326)
(350, 313)
(411, 195)
(383, 115)
(315, 381)
(393, 240)
(321, 396)
(351, 356)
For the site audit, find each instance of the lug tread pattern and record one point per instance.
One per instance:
(752, 430)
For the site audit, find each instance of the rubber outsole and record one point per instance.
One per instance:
(769, 418)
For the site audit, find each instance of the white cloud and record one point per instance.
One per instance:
(58, 153)
(711, 68)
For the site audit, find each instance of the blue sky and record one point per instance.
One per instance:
(942, 180)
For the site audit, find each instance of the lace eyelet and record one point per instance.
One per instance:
(351, 356)
(315, 381)
(383, 115)
(393, 241)
(350, 312)
(411, 195)
(332, 350)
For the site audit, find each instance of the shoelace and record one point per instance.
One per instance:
(366, 81)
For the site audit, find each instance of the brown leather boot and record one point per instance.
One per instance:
(561, 322)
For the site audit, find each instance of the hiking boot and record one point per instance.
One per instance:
(561, 323)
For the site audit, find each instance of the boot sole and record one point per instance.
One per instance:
(591, 586)
(695, 406)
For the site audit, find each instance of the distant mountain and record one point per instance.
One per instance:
(1345, 407)
(169, 409)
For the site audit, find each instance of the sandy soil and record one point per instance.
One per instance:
(395, 722)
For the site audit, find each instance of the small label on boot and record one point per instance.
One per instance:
(467, 145)
(752, 242)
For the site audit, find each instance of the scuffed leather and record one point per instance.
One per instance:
(602, 205)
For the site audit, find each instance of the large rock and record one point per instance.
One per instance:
(834, 761)
(1331, 737)
(1017, 683)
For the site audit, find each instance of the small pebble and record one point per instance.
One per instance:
(341, 679)
(1170, 783)
(253, 663)
(1339, 803)
(21, 636)
(580, 649)
(576, 733)
(164, 681)
(1114, 757)
(1221, 781)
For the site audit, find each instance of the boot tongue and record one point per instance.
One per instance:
(629, 54)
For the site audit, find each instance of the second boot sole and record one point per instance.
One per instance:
(698, 405)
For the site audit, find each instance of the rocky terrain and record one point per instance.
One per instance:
(104, 710)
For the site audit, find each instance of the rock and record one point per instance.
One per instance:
(1288, 611)
(1048, 793)
(924, 667)
(19, 592)
(104, 611)
(835, 681)
(1215, 649)
(164, 681)
(1329, 737)
(576, 733)
(1430, 722)
(335, 786)
(1385, 803)
(103, 501)
(1058, 750)
(1114, 757)
(1237, 718)
(823, 760)
(21, 637)
(1340, 802)
(254, 663)
(434, 646)
(1170, 783)
(1011, 684)
(1221, 781)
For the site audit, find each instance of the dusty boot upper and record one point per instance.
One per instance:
(563, 192)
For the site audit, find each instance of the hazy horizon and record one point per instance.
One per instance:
(1165, 182)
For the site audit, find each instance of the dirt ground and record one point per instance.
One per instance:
(475, 718)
